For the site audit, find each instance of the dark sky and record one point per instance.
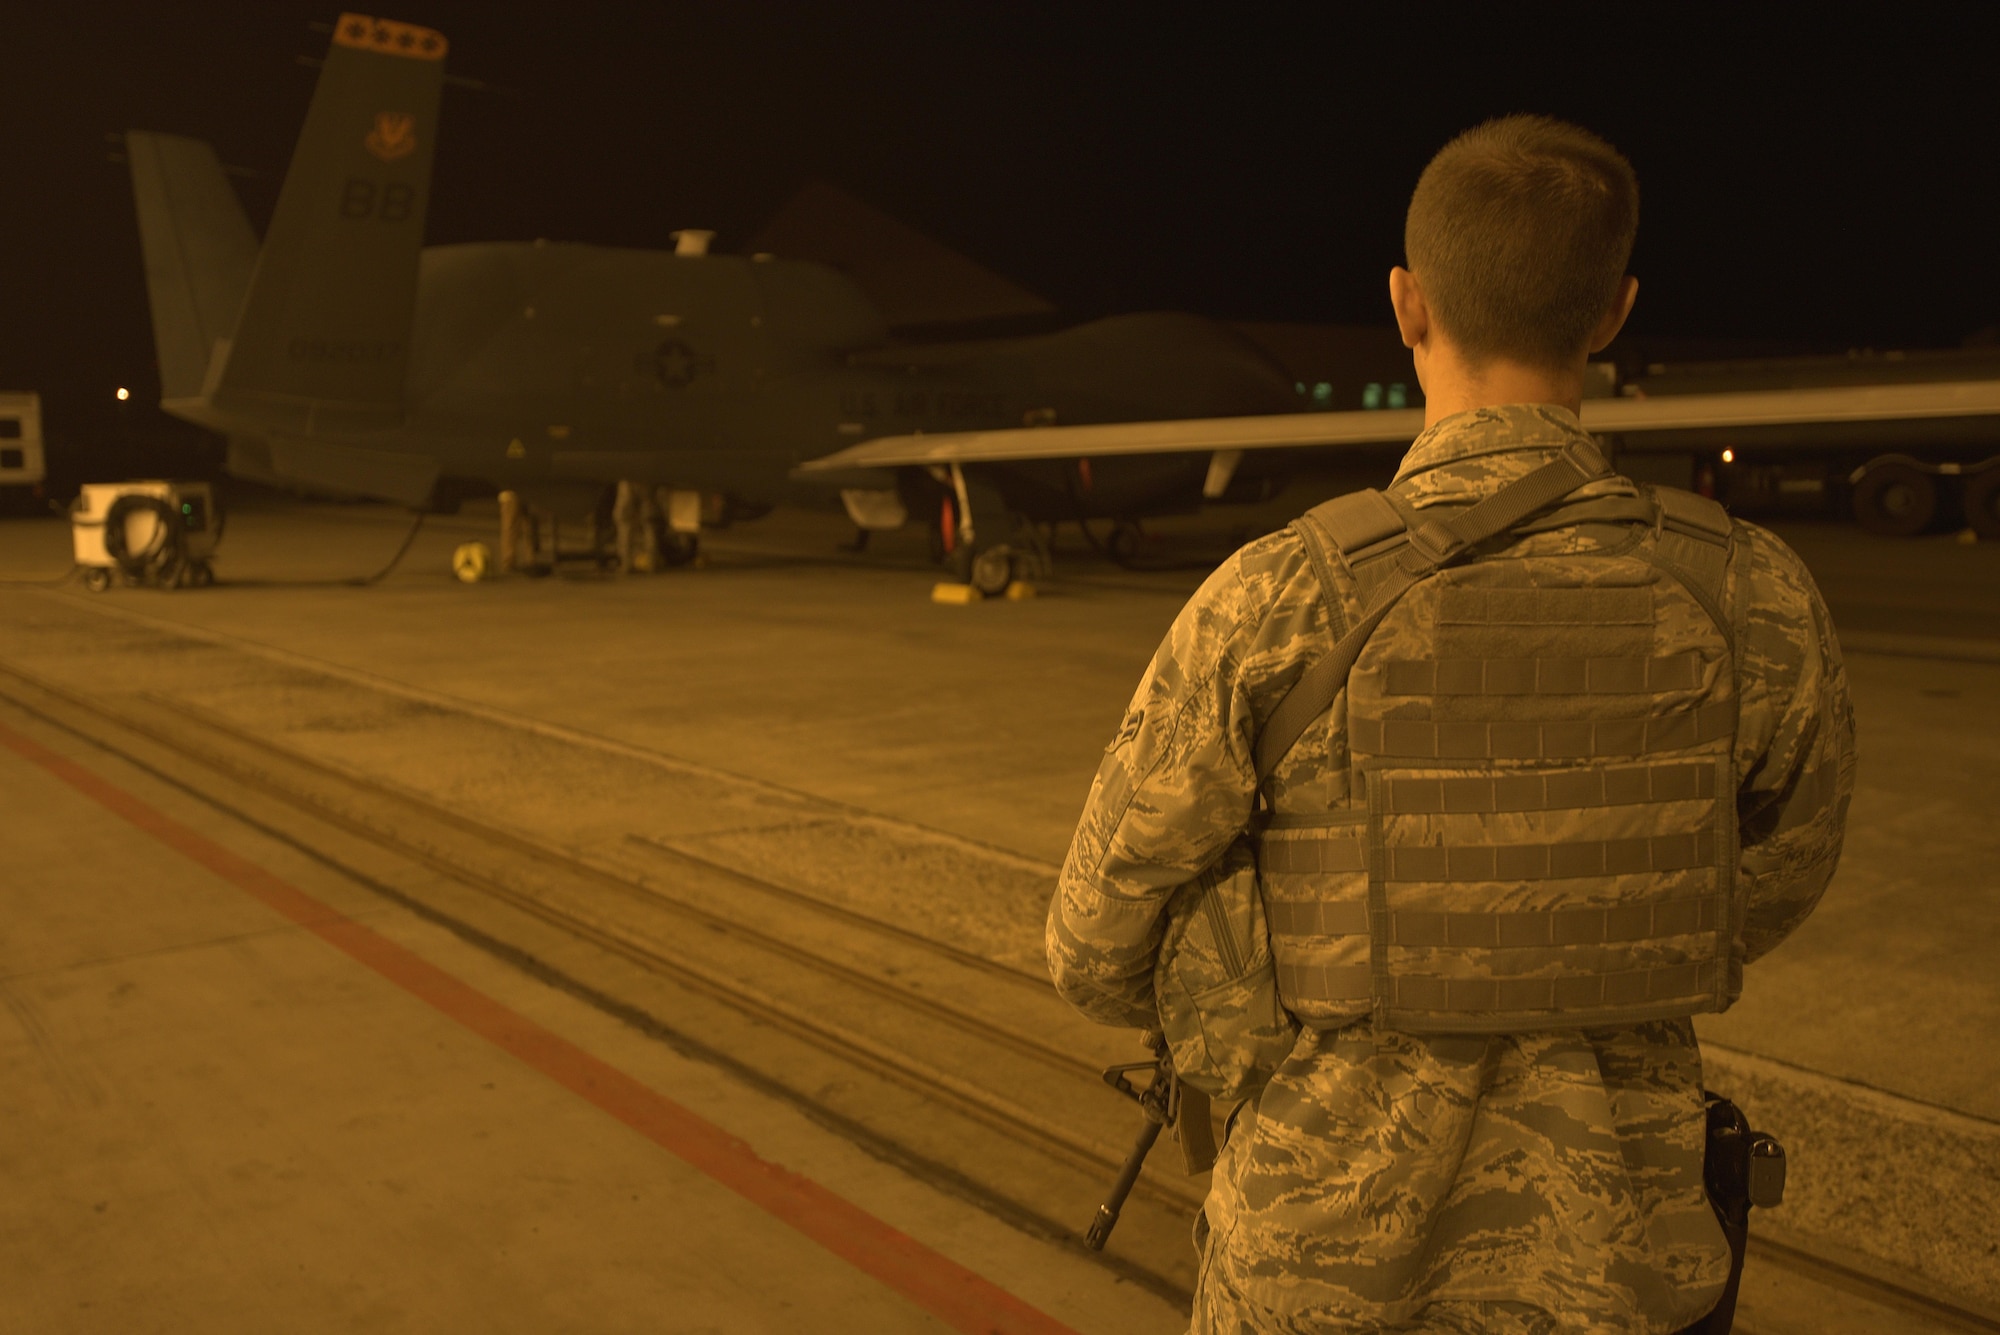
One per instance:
(1833, 184)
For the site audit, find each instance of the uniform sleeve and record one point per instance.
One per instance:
(1178, 781)
(1175, 787)
(1795, 744)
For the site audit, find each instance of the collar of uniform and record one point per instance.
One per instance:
(1470, 454)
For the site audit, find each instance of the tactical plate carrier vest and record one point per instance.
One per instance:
(1541, 831)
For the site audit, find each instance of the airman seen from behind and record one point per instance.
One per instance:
(1440, 813)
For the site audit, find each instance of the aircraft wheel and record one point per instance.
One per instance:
(677, 549)
(471, 562)
(97, 579)
(1982, 502)
(992, 571)
(200, 575)
(1127, 538)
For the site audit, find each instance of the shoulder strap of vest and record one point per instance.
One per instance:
(1357, 520)
(1693, 545)
(1432, 545)
(1323, 535)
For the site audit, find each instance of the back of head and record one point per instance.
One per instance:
(1519, 232)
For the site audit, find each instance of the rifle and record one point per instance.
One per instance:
(1165, 1102)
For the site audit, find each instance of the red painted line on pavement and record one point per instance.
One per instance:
(959, 1297)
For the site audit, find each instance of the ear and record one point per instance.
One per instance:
(1406, 298)
(1614, 319)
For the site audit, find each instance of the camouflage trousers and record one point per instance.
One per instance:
(1220, 1309)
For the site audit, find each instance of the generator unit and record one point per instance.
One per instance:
(156, 533)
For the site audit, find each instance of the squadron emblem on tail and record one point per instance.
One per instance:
(394, 135)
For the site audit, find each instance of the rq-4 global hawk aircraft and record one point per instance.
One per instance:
(342, 356)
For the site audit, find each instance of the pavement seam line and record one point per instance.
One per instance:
(559, 732)
(960, 1297)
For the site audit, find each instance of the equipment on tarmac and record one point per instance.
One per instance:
(23, 469)
(156, 534)
(1741, 1168)
(1166, 1102)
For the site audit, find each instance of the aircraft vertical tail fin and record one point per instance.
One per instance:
(198, 248)
(324, 335)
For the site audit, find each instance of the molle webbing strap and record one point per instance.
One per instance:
(1640, 856)
(1631, 987)
(1522, 929)
(1602, 786)
(1316, 917)
(1594, 605)
(1542, 676)
(1431, 545)
(1459, 997)
(1325, 982)
(1577, 739)
(1313, 856)
(1646, 855)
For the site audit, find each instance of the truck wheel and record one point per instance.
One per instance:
(1897, 500)
(1982, 502)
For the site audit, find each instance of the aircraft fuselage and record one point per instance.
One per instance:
(551, 369)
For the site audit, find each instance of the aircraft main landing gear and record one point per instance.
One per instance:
(995, 557)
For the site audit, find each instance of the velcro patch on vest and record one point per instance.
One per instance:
(1613, 605)
(1599, 786)
(1543, 676)
(1580, 739)
(1547, 862)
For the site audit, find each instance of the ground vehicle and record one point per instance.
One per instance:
(1895, 476)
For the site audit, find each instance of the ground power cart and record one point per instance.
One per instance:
(154, 534)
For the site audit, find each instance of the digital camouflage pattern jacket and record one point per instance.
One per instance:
(1544, 1181)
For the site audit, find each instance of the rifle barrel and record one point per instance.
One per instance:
(1107, 1213)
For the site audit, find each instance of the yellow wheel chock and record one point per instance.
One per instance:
(472, 562)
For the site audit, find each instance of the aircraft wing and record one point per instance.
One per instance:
(1620, 416)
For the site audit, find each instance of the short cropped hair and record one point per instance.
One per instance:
(1519, 232)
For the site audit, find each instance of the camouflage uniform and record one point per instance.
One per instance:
(1544, 1181)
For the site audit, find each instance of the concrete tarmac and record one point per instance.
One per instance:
(225, 1116)
(836, 677)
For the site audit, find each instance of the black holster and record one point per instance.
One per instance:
(1741, 1168)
